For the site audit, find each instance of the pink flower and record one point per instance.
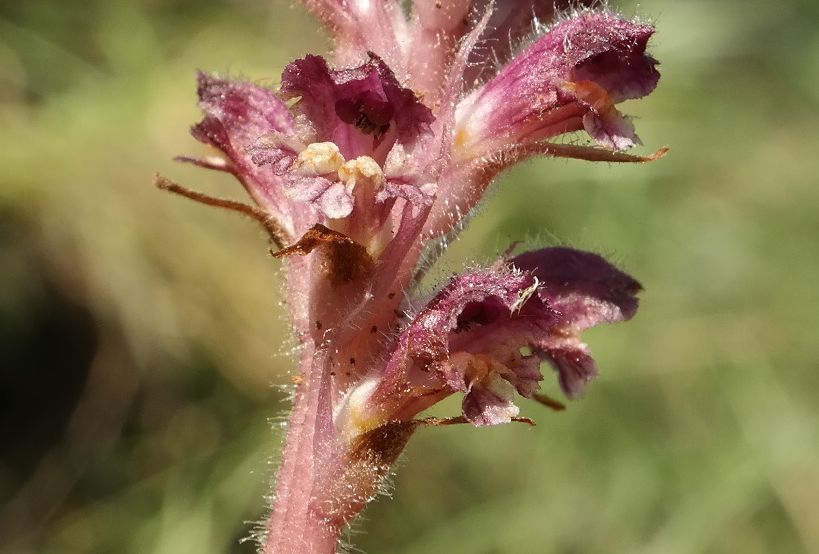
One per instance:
(355, 167)
(469, 337)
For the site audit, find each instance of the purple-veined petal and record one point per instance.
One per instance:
(611, 130)
(336, 202)
(419, 197)
(330, 197)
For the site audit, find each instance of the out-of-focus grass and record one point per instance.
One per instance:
(141, 336)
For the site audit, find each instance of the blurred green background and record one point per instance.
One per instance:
(144, 354)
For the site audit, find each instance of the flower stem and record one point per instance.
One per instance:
(297, 524)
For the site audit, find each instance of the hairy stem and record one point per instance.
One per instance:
(297, 523)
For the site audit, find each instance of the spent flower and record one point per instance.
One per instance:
(362, 166)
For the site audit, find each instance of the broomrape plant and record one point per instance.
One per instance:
(362, 165)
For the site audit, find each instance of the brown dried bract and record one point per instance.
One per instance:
(381, 446)
(344, 259)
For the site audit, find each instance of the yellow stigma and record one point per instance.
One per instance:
(359, 169)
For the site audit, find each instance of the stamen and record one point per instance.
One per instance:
(319, 158)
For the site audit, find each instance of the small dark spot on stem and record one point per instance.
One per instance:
(318, 325)
(391, 295)
(374, 329)
(352, 361)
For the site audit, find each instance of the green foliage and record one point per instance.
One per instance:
(141, 342)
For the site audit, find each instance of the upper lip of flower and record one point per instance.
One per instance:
(357, 107)
(588, 62)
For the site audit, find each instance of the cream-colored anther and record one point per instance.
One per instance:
(363, 167)
(319, 158)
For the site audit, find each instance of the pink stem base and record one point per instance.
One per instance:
(296, 525)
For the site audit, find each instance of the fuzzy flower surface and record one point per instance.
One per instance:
(362, 164)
